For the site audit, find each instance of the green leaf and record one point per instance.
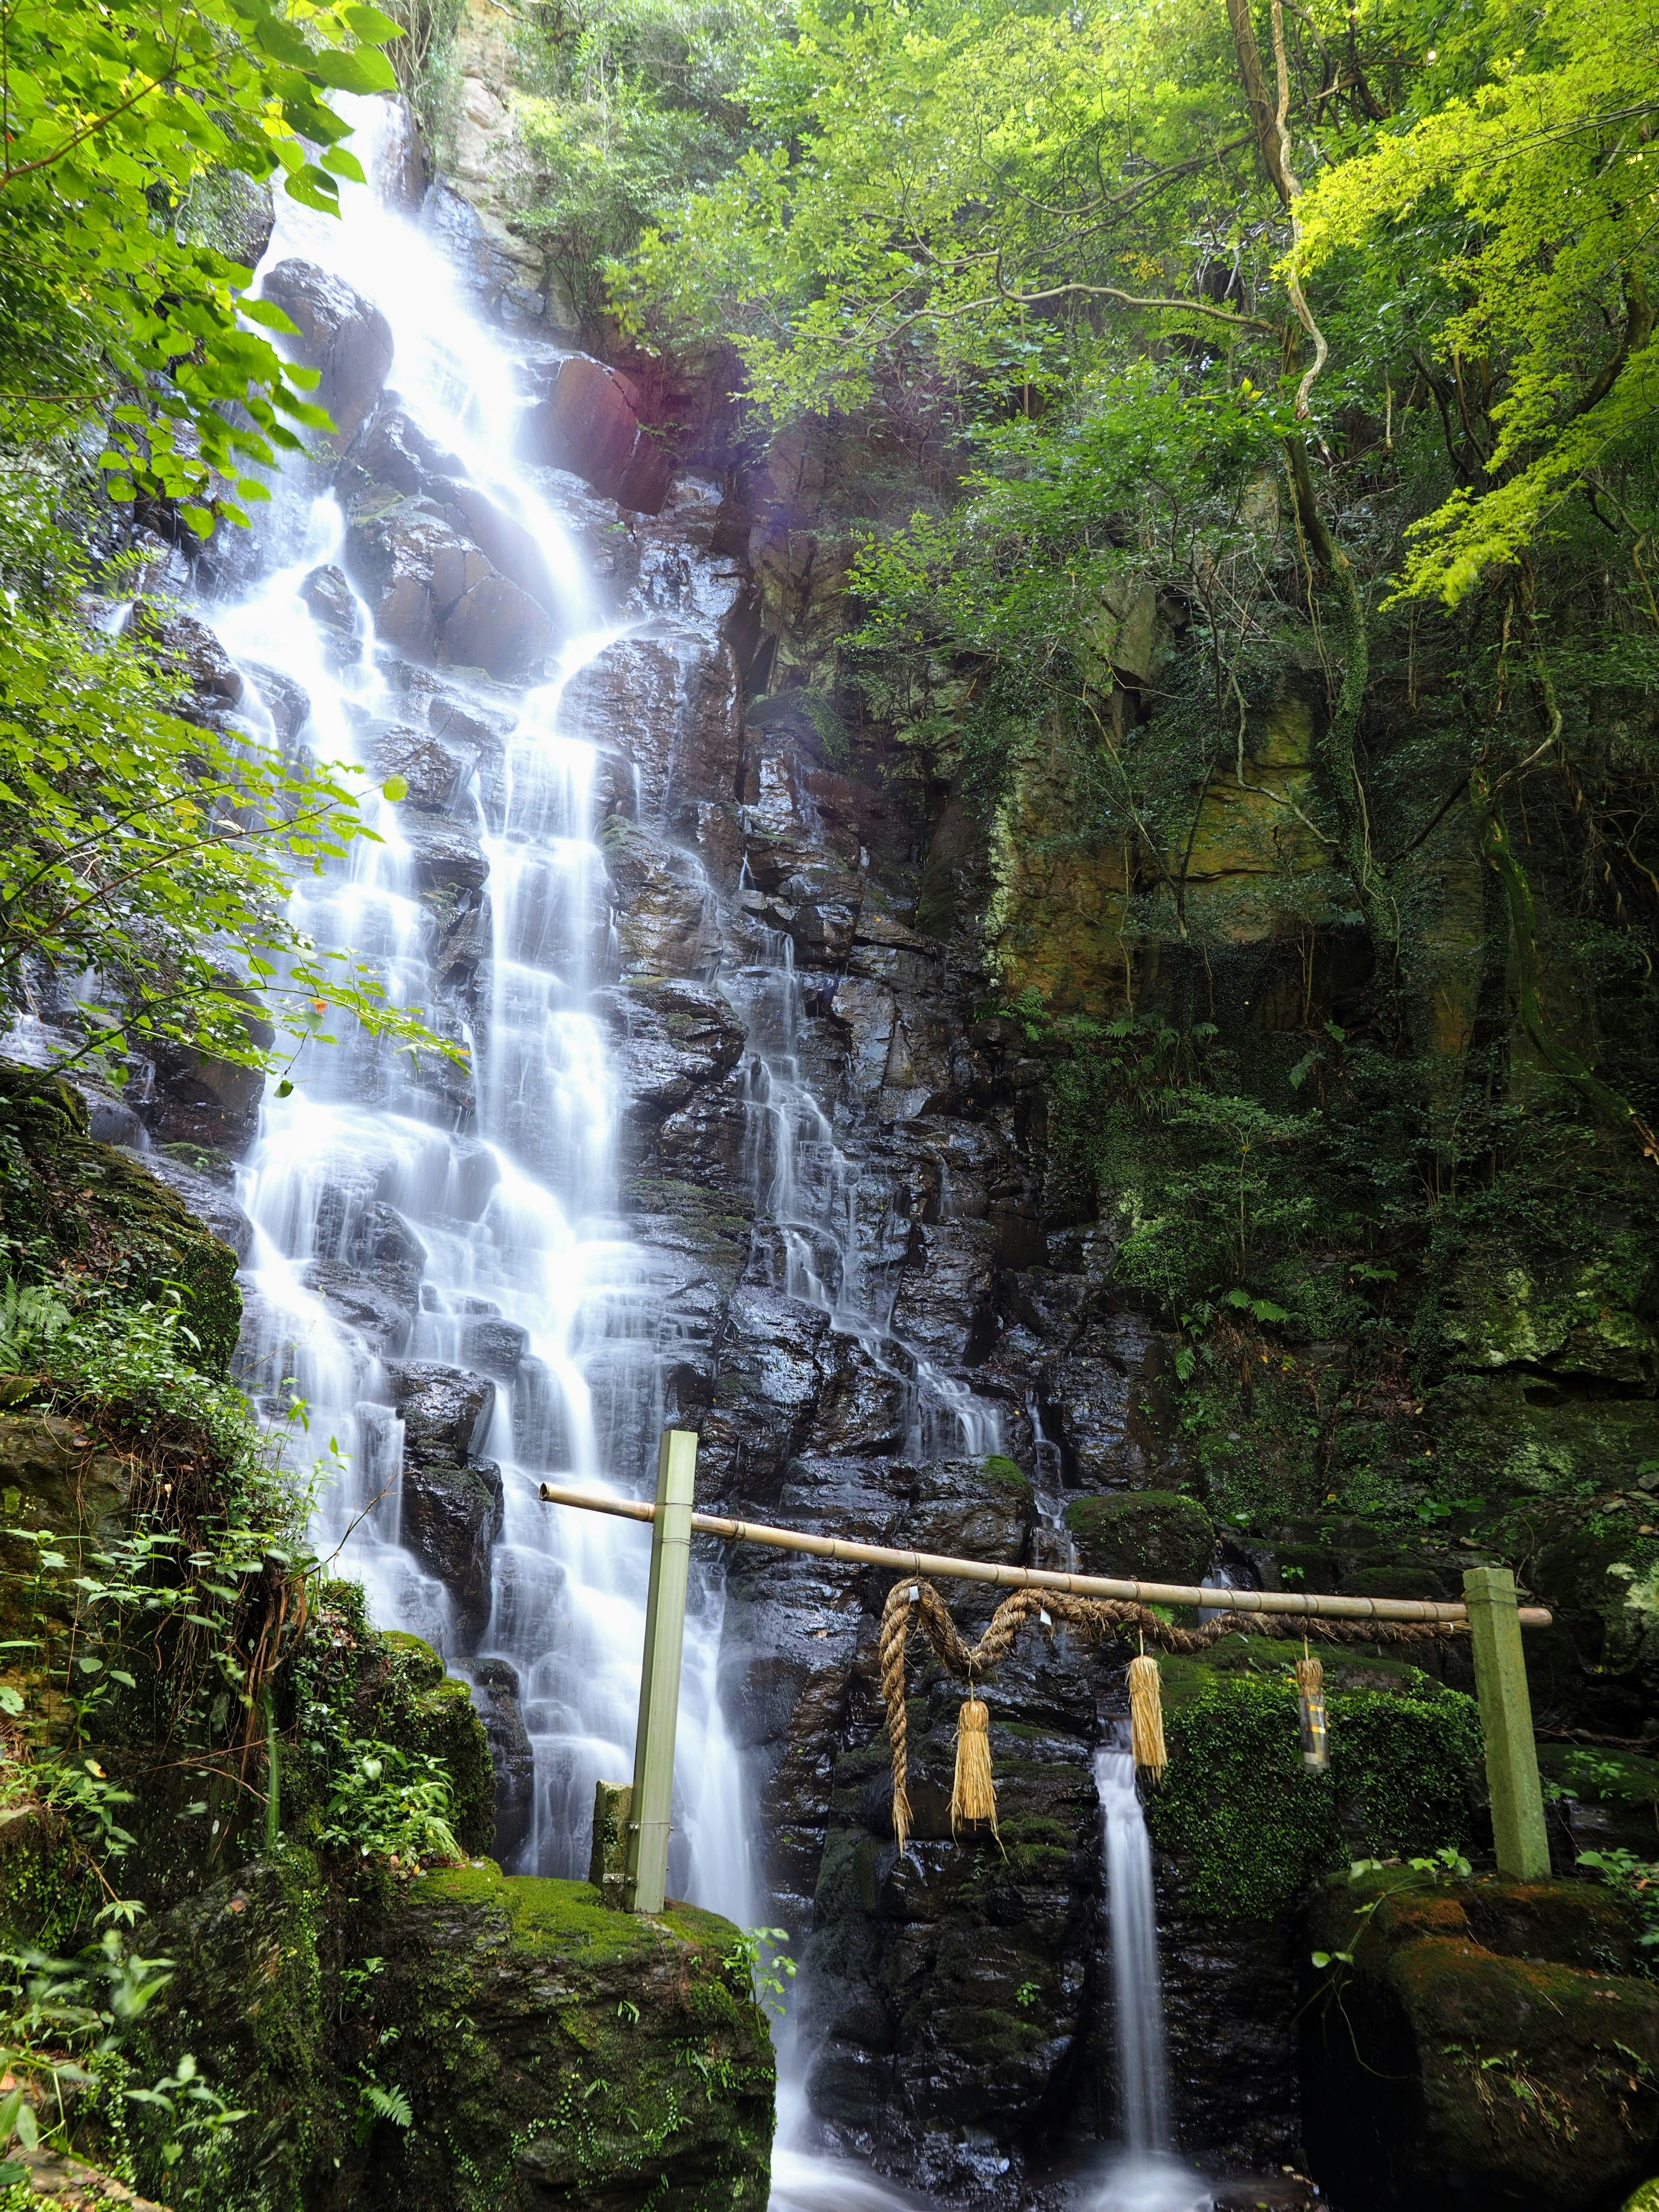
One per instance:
(370, 24)
(364, 69)
(396, 787)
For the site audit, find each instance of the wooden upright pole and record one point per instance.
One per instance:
(646, 1886)
(1500, 1679)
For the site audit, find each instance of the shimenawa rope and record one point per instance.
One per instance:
(1094, 1617)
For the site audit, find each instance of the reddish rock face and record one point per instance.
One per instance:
(586, 423)
(341, 333)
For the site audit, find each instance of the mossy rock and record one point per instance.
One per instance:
(390, 1687)
(557, 2053)
(246, 2002)
(60, 1485)
(67, 1198)
(1644, 2199)
(1483, 2043)
(1142, 1536)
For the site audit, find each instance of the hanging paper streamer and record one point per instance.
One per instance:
(974, 1797)
(1146, 1718)
(1310, 1688)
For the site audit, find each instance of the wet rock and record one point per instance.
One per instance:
(512, 548)
(497, 1348)
(445, 1411)
(450, 1517)
(496, 1694)
(660, 899)
(196, 1100)
(394, 450)
(669, 701)
(679, 1036)
(1451, 1985)
(446, 854)
(586, 423)
(968, 1508)
(452, 1505)
(766, 1388)
(1096, 1389)
(286, 701)
(376, 1314)
(212, 1199)
(949, 1989)
(329, 600)
(190, 651)
(341, 333)
(367, 1234)
(437, 597)
(429, 769)
(1142, 1536)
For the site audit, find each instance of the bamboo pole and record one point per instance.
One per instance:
(1519, 1834)
(646, 1882)
(1212, 1598)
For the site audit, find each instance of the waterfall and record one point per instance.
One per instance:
(1145, 2177)
(415, 1245)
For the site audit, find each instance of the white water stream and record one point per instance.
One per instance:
(1145, 2176)
(509, 1214)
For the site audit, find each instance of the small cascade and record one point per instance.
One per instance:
(1146, 2176)
(815, 1201)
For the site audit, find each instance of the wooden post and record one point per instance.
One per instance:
(659, 1678)
(1500, 1678)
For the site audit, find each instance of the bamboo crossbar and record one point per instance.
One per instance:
(1212, 1598)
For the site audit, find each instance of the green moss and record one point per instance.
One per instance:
(999, 1469)
(650, 2081)
(1248, 1823)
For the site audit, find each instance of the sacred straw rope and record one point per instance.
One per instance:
(1095, 1618)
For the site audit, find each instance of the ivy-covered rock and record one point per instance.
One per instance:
(1477, 2043)
(552, 2053)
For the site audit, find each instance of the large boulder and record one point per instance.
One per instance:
(1482, 2043)
(1142, 1536)
(341, 333)
(585, 422)
(558, 2054)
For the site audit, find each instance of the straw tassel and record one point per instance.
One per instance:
(1146, 1718)
(974, 1797)
(1311, 1697)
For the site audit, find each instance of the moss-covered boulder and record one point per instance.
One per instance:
(1477, 2043)
(1242, 1822)
(1142, 1536)
(553, 2053)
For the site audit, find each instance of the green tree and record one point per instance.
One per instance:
(111, 311)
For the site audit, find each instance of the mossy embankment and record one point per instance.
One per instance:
(250, 1826)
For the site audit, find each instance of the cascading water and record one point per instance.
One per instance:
(1144, 2177)
(807, 1190)
(505, 1218)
